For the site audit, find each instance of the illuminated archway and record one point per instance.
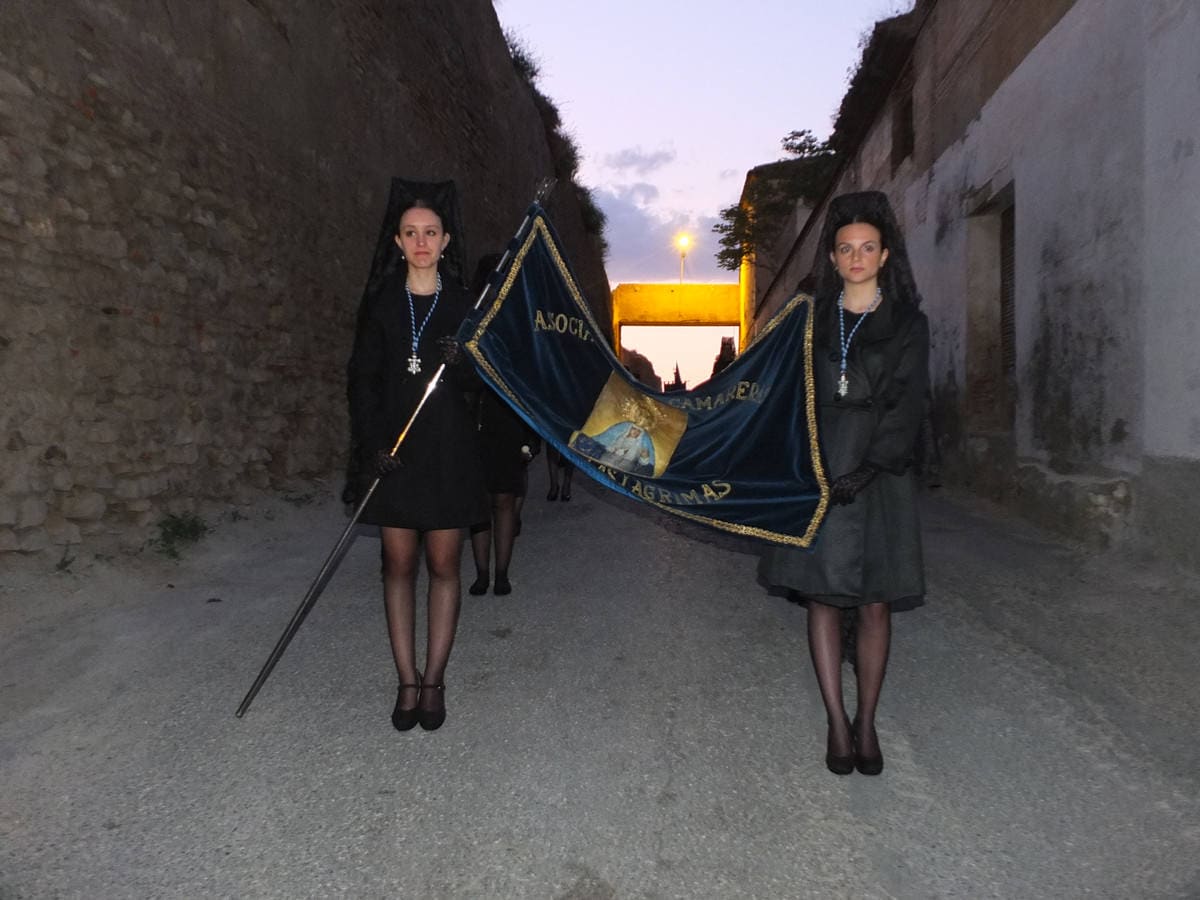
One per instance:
(677, 304)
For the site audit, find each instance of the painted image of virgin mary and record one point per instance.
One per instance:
(626, 447)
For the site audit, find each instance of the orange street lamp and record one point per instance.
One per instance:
(682, 242)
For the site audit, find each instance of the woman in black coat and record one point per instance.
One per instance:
(431, 490)
(871, 359)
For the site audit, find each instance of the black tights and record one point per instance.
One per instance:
(870, 654)
(401, 556)
(557, 468)
(506, 511)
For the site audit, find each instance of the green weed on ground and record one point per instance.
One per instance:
(176, 532)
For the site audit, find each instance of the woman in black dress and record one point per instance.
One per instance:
(431, 490)
(507, 445)
(871, 358)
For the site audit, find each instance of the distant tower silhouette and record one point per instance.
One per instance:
(725, 357)
(677, 384)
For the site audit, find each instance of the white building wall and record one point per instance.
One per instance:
(1171, 390)
(1168, 491)
(1065, 130)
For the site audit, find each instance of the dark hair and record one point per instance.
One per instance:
(423, 203)
(870, 208)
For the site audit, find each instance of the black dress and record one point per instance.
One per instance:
(502, 434)
(441, 483)
(870, 550)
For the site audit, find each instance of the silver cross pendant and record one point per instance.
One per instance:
(414, 364)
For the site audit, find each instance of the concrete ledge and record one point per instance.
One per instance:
(1095, 509)
(1165, 515)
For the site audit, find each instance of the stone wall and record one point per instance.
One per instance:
(189, 195)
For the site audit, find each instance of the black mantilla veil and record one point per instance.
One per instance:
(870, 207)
(442, 198)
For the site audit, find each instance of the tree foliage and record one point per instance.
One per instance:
(771, 194)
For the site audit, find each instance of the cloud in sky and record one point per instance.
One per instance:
(640, 193)
(638, 160)
(642, 241)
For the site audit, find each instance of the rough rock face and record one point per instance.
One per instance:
(189, 193)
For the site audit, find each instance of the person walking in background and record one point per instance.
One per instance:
(507, 445)
(560, 470)
(871, 353)
(432, 489)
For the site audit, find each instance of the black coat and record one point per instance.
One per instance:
(441, 482)
(502, 434)
(870, 550)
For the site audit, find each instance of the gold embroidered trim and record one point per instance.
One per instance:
(538, 229)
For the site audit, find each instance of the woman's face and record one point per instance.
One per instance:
(421, 238)
(858, 253)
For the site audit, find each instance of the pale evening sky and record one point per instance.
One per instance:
(671, 103)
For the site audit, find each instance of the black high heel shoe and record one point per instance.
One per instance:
(404, 719)
(566, 494)
(841, 765)
(503, 586)
(866, 765)
(479, 586)
(552, 494)
(432, 719)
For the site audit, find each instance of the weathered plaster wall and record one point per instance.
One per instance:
(1171, 398)
(1106, 441)
(1061, 139)
(1064, 132)
(973, 46)
(189, 195)
(1169, 484)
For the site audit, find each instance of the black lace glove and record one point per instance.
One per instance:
(386, 463)
(451, 350)
(845, 488)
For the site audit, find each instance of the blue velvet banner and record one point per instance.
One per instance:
(738, 453)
